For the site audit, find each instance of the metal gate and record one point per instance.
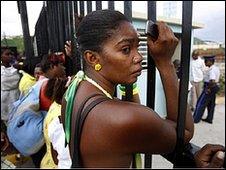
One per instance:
(57, 23)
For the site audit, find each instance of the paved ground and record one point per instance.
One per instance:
(204, 133)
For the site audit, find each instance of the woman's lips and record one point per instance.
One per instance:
(138, 72)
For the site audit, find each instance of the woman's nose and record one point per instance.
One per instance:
(137, 58)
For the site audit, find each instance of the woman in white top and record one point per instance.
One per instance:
(9, 83)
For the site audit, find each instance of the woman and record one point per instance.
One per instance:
(10, 78)
(113, 130)
(57, 155)
(31, 110)
(52, 67)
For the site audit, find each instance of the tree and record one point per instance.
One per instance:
(15, 41)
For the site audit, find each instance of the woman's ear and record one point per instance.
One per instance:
(92, 58)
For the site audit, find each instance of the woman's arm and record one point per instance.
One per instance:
(162, 51)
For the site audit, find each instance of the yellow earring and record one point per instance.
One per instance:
(97, 67)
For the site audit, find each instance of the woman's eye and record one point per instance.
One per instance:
(126, 50)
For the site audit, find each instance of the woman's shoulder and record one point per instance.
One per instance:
(122, 114)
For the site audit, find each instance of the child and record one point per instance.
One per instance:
(57, 156)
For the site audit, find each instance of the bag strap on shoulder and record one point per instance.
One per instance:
(80, 119)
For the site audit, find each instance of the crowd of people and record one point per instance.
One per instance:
(85, 125)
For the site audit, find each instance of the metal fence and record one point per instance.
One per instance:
(57, 23)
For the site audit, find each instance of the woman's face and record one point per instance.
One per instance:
(120, 60)
(7, 56)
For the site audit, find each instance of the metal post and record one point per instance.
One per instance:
(66, 21)
(150, 76)
(60, 13)
(81, 7)
(185, 62)
(49, 21)
(98, 5)
(128, 14)
(111, 5)
(89, 6)
(76, 15)
(29, 51)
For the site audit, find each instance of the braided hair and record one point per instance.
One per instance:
(97, 27)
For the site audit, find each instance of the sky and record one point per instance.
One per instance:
(209, 13)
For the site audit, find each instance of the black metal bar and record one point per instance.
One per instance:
(56, 29)
(48, 18)
(111, 5)
(66, 21)
(18, 7)
(29, 51)
(81, 7)
(150, 76)
(72, 25)
(75, 14)
(89, 6)
(128, 9)
(98, 5)
(60, 13)
(41, 33)
(128, 14)
(75, 7)
(69, 12)
(72, 20)
(185, 62)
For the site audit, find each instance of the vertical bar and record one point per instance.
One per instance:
(128, 10)
(111, 5)
(150, 76)
(72, 20)
(75, 15)
(75, 7)
(76, 53)
(69, 12)
(48, 18)
(29, 51)
(66, 20)
(72, 25)
(55, 26)
(89, 6)
(60, 23)
(81, 7)
(128, 14)
(185, 62)
(98, 5)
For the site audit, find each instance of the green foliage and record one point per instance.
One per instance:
(221, 92)
(16, 41)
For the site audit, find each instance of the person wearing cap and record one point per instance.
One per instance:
(208, 96)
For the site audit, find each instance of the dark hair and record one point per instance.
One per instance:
(56, 89)
(49, 60)
(59, 89)
(3, 49)
(38, 65)
(96, 27)
(195, 53)
(212, 60)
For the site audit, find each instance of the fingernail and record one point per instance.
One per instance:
(220, 154)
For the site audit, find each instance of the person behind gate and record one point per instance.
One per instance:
(210, 89)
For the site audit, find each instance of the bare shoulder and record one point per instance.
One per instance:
(121, 113)
(124, 124)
